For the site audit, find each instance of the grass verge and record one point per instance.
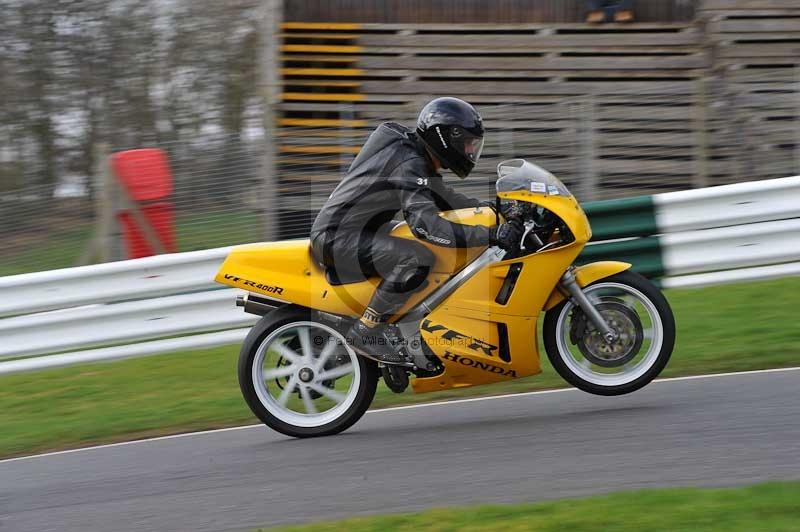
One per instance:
(728, 328)
(62, 248)
(770, 506)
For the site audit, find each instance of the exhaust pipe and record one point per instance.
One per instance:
(254, 304)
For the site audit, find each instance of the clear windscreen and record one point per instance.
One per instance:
(519, 174)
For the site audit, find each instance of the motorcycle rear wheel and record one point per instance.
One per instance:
(300, 378)
(637, 310)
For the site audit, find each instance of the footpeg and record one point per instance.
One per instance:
(381, 343)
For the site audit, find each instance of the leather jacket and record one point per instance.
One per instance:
(393, 172)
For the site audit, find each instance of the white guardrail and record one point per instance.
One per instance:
(169, 303)
(732, 233)
(134, 306)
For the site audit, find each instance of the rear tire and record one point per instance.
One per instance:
(299, 343)
(600, 376)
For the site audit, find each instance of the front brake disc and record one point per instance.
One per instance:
(623, 320)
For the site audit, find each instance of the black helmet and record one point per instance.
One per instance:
(453, 131)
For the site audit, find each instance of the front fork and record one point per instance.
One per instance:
(570, 284)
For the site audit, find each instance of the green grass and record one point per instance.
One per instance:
(63, 248)
(215, 230)
(727, 328)
(59, 250)
(772, 507)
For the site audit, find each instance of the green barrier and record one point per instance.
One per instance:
(622, 218)
(643, 253)
(631, 219)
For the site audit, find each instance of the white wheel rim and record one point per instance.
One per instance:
(285, 390)
(628, 373)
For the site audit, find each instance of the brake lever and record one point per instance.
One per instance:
(528, 228)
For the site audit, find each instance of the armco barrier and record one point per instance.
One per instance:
(731, 227)
(95, 325)
(112, 282)
(731, 233)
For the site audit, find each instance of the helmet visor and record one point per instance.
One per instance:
(466, 143)
(470, 145)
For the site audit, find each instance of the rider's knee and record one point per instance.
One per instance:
(421, 257)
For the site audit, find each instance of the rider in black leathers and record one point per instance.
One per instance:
(396, 170)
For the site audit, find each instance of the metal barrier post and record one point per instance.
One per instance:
(588, 149)
(270, 17)
(797, 119)
(700, 126)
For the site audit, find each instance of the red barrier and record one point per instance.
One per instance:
(146, 180)
(160, 218)
(144, 173)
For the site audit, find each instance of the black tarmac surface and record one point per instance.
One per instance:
(718, 431)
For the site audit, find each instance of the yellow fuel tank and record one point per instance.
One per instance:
(287, 271)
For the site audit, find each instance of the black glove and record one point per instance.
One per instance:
(507, 235)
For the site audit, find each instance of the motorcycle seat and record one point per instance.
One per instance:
(339, 277)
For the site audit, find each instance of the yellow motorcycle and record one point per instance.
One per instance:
(606, 330)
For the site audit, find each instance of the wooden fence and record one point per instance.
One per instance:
(754, 47)
(614, 109)
(467, 11)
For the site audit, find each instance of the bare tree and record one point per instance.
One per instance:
(126, 72)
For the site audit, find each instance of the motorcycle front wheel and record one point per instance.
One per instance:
(300, 378)
(640, 315)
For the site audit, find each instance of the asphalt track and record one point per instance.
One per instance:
(718, 431)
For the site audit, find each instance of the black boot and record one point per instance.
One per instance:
(381, 342)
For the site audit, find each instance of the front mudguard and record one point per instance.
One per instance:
(586, 275)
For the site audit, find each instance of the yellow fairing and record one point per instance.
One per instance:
(474, 310)
(287, 271)
(481, 338)
(566, 208)
(474, 347)
(466, 331)
(470, 347)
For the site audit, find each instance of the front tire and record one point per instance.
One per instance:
(300, 378)
(641, 316)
